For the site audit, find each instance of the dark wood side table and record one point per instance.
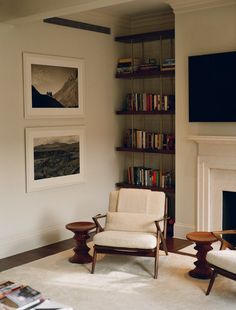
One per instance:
(203, 242)
(81, 230)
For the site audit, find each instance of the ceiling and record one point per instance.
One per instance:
(134, 8)
(14, 9)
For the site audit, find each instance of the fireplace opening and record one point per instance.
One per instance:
(229, 215)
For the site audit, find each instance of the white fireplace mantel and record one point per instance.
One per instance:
(213, 139)
(216, 172)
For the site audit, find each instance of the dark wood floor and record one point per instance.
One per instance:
(173, 245)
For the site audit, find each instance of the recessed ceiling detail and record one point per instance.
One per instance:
(76, 24)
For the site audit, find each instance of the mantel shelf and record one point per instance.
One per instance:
(213, 139)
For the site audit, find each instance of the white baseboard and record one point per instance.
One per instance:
(181, 230)
(32, 240)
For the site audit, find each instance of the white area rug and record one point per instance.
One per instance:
(123, 282)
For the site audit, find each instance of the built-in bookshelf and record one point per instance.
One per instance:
(148, 108)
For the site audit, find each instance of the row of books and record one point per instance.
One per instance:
(148, 102)
(141, 176)
(132, 64)
(128, 65)
(141, 139)
(17, 296)
(168, 64)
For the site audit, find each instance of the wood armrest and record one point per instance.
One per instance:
(224, 244)
(98, 225)
(165, 218)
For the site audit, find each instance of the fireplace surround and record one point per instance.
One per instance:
(216, 172)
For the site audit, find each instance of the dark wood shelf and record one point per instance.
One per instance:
(145, 112)
(159, 189)
(146, 74)
(148, 36)
(137, 150)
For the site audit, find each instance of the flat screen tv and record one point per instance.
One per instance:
(212, 87)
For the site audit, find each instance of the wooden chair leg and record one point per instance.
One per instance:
(213, 276)
(163, 242)
(157, 257)
(94, 259)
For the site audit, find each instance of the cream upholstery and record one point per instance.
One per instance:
(134, 221)
(222, 261)
(126, 239)
(225, 259)
(124, 221)
(133, 201)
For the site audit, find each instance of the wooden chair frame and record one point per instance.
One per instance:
(133, 252)
(216, 270)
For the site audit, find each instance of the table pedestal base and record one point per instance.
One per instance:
(81, 235)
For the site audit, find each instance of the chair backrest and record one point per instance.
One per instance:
(137, 201)
(135, 210)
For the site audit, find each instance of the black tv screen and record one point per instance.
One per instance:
(212, 88)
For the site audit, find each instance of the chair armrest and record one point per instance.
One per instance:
(224, 244)
(165, 218)
(98, 225)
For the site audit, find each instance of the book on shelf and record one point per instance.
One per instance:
(143, 176)
(146, 140)
(168, 64)
(127, 65)
(148, 102)
(23, 297)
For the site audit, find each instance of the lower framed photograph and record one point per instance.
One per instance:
(54, 157)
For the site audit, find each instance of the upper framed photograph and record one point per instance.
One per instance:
(53, 86)
(54, 157)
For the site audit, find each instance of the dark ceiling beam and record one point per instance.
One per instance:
(78, 25)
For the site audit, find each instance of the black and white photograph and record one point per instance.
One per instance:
(54, 156)
(53, 86)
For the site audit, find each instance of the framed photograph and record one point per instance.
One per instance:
(53, 86)
(54, 157)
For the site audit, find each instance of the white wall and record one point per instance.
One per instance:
(203, 31)
(30, 220)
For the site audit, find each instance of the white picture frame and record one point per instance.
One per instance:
(53, 86)
(54, 157)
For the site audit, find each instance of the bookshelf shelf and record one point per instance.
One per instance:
(148, 36)
(159, 189)
(145, 112)
(146, 74)
(139, 150)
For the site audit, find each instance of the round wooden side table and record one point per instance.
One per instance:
(81, 230)
(203, 242)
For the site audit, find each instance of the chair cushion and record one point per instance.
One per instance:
(124, 239)
(225, 259)
(133, 200)
(124, 221)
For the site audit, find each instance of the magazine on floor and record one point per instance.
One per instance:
(14, 296)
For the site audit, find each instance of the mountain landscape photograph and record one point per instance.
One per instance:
(54, 86)
(56, 156)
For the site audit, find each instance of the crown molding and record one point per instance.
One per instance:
(186, 6)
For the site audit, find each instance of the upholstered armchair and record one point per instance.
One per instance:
(135, 224)
(222, 261)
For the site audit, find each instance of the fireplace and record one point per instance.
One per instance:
(229, 214)
(216, 176)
